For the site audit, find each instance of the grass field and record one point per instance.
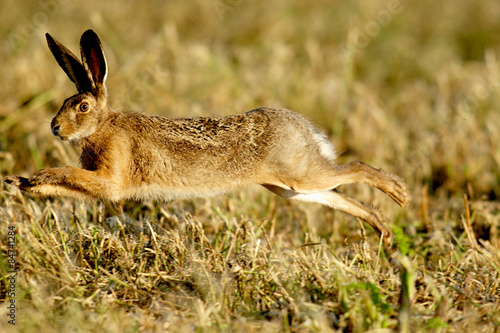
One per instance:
(412, 87)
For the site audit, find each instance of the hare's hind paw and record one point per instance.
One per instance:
(400, 193)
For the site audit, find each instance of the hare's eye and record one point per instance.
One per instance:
(84, 107)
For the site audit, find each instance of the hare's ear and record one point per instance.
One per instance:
(70, 64)
(94, 60)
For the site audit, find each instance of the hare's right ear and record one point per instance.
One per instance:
(94, 61)
(70, 64)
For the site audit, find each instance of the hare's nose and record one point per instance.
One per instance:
(55, 130)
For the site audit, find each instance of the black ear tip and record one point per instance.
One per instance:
(50, 41)
(89, 34)
(88, 38)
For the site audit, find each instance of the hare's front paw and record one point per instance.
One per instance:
(21, 182)
(47, 176)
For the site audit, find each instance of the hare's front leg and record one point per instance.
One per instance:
(66, 181)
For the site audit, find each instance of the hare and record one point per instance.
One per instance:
(134, 156)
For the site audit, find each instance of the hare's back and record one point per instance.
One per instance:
(197, 137)
(234, 142)
(241, 138)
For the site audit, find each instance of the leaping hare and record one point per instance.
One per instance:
(137, 156)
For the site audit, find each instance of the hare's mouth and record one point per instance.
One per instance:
(56, 131)
(64, 135)
(59, 135)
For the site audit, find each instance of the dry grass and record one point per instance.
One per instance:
(412, 87)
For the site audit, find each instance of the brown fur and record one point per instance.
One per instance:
(136, 156)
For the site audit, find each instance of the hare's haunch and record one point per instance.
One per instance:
(136, 156)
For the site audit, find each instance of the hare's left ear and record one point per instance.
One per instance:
(70, 64)
(94, 61)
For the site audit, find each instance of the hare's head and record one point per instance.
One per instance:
(82, 113)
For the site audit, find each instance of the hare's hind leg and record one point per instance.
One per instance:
(356, 172)
(343, 203)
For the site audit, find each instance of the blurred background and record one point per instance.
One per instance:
(412, 87)
(409, 86)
